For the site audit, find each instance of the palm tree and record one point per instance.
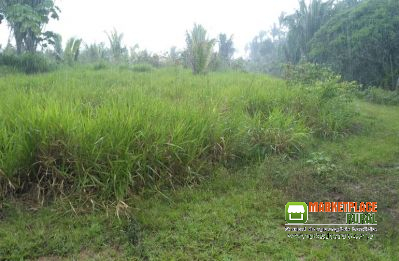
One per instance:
(199, 49)
(226, 49)
(302, 25)
(115, 41)
(72, 50)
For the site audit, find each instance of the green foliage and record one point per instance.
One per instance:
(356, 39)
(226, 49)
(277, 133)
(72, 50)
(302, 25)
(309, 74)
(199, 49)
(322, 163)
(27, 19)
(94, 53)
(361, 42)
(27, 63)
(380, 96)
(266, 51)
(239, 65)
(64, 140)
(144, 57)
(58, 47)
(54, 118)
(118, 51)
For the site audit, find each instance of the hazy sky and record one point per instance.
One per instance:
(157, 25)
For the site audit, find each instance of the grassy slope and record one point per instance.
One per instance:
(233, 215)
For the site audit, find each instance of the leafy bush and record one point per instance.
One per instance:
(308, 73)
(322, 163)
(380, 96)
(328, 100)
(28, 62)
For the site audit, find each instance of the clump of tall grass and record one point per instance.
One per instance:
(111, 133)
(277, 133)
(327, 107)
(143, 67)
(380, 96)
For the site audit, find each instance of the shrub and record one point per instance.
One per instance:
(308, 73)
(34, 63)
(380, 96)
(326, 106)
(28, 62)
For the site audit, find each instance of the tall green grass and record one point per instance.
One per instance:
(113, 132)
(380, 96)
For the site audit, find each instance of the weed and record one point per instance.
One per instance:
(322, 163)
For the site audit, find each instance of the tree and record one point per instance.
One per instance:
(199, 49)
(27, 19)
(118, 51)
(361, 42)
(72, 50)
(58, 46)
(174, 56)
(302, 25)
(266, 51)
(226, 49)
(94, 53)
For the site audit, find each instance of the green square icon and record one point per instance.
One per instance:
(296, 212)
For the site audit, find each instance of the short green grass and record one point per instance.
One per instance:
(235, 209)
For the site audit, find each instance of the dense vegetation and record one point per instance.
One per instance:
(95, 131)
(114, 152)
(111, 141)
(357, 39)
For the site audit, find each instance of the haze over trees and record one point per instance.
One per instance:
(357, 39)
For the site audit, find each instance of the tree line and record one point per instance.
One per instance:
(27, 20)
(358, 39)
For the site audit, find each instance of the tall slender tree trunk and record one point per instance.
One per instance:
(392, 74)
(18, 42)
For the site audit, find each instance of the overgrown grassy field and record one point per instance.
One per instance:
(110, 133)
(166, 165)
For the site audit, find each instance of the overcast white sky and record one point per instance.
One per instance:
(157, 25)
